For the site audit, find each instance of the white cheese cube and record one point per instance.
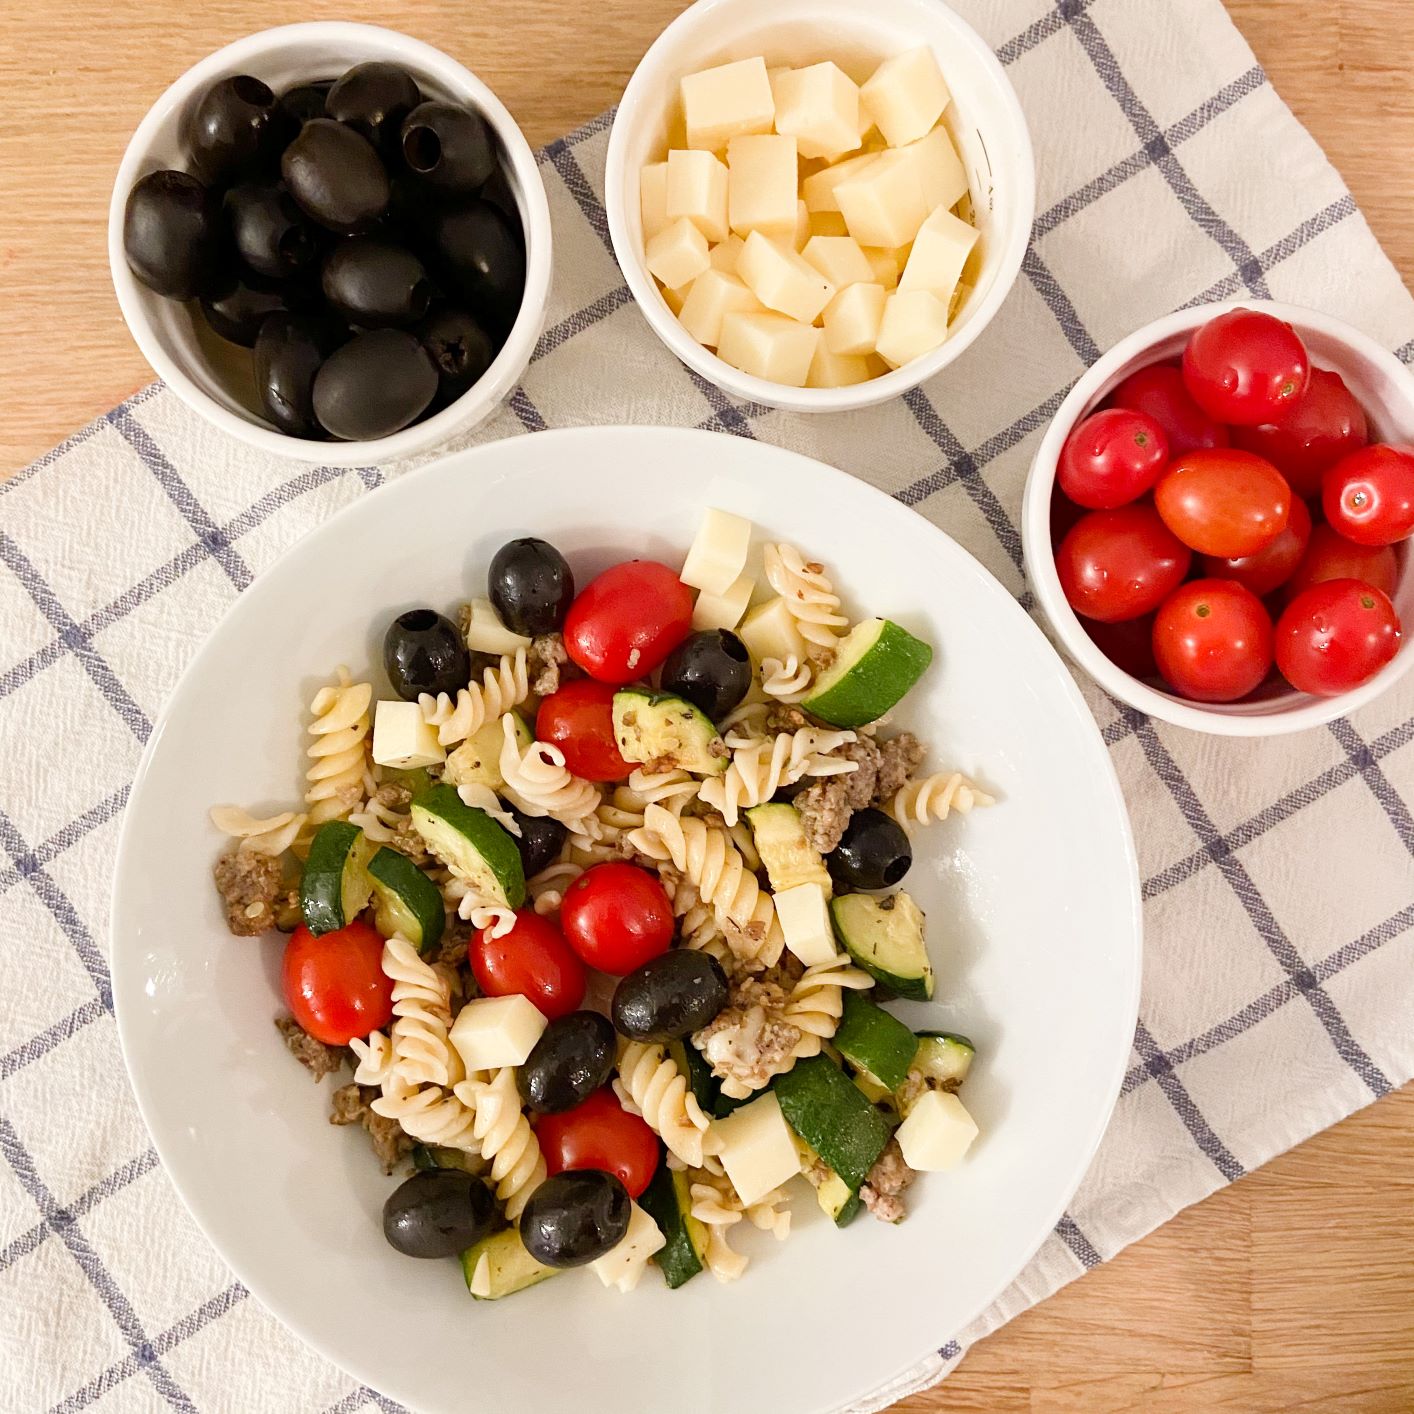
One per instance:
(622, 1265)
(938, 167)
(725, 255)
(714, 295)
(723, 610)
(402, 739)
(937, 1132)
(884, 263)
(757, 1150)
(906, 95)
(490, 1032)
(832, 370)
(677, 254)
(852, 319)
(819, 107)
(805, 921)
(959, 298)
(762, 185)
(770, 346)
(827, 223)
(653, 198)
(697, 191)
(938, 255)
(718, 552)
(769, 631)
(722, 103)
(883, 202)
(915, 322)
(675, 299)
(839, 259)
(802, 225)
(782, 279)
(819, 188)
(487, 634)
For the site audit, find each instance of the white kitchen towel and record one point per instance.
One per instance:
(1278, 875)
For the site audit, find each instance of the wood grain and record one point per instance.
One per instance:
(1292, 1289)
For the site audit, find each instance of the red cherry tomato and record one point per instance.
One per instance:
(1112, 458)
(1159, 392)
(1246, 368)
(1129, 645)
(1336, 635)
(1223, 502)
(335, 985)
(1274, 563)
(579, 719)
(600, 1134)
(625, 622)
(1323, 427)
(532, 960)
(616, 917)
(1120, 564)
(1213, 640)
(1369, 495)
(1332, 556)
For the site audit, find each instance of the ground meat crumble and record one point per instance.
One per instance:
(749, 1040)
(826, 804)
(885, 1184)
(317, 1058)
(250, 887)
(351, 1105)
(547, 662)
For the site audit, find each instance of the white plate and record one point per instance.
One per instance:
(1034, 928)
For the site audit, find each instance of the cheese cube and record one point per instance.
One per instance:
(724, 255)
(832, 370)
(697, 190)
(819, 107)
(723, 610)
(757, 1150)
(839, 259)
(762, 187)
(959, 298)
(769, 630)
(718, 552)
(938, 167)
(819, 188)
(490, 1032)
(653, 198)
(714, 295)
(937, 1132)
(802, 225)
(782, 279)
(938, 255)
(402, 739)
(852, 319)
(906, 95)
(770, 346)
(677, 254)
(915, 322)
(805, 921)
(623, 1264)
(485, 633)
(883, 203)
(884, 264)
(827, 223)
(675, 299)
(722, 103)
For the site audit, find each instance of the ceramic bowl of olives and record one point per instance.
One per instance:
(333, 242)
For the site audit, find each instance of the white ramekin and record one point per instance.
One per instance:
(164, 329)
(1385, 389)
(985, 118)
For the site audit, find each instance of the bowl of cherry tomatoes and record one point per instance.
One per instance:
(1217, 522)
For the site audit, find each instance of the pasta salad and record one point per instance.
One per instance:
(601, 904)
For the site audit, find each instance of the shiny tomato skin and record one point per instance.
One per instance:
(1327, 424)
(335, 986)
(625, 622)
(1223, 502)
(1112, 458)
(599, 1133)
(1369, 495)
(579, 719)
(1116, 565)
(1274, 563)
(1331, 556)
(1159, 392)
(534, 961)
(617, 916)
(1213, 641)
(1335, 636)
(1246, 367)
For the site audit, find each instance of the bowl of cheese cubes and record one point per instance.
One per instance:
(819, 204)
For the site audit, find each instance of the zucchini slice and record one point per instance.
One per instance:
(879, 1046)
(477, 761)
(470, 843)
(885, 937)
(874, 667)
(668, 732)
(434, 1156)
(405, 900)
(500, 1266)
(335, 888)
(668, 1202)
(822, 1105)
(944, 1057)
(789, 857)
(838, 1201)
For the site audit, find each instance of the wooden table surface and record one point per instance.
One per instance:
(1293, 1288)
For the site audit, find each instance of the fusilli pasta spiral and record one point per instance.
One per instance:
(546, 890)
(537, 783)
(754, 776)
(505, 686)
(716, 1206)
(935, 797)
(472, 907)
(650, 1084)
(273, 835)
(808, 593)
(787, 681)
(505, 1136)
(335, 780)
(817, 1000)
(375, 1059)
(422, 1008)
(429, 1113)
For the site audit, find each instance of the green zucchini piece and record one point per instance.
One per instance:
(477, 761)
(335, 887)
(434, 1156)
(405, 900)
(504, 1264)
(668, 1202)
(667, 732)
(789, 857)
(885, 937)
(837, 1200)
(822, 1105)
(944, 1058)
(874, 667)
(413, 778)
(875, 1043)
(470, 843)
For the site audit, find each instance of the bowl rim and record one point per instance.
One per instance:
(498, 381)
(746, 386)
(1218, 719)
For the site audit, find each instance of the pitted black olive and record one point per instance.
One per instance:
(670, 996)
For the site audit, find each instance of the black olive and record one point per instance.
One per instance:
(480, 256)
(531, 585)
(873, 852)
(289, 350)
(498, 192)
(461, 349)
(172, 235)
(271, 234)
(377, 383)
(236, 130)
(335, 176)
(375, 284)
(448, 147)
(540, 842)
(238, 312)
(670, 996)
(571, 1060)
(423, 651)
(575, 1217)
(712, 670)
(373, 99)
(438, 1213)
(303, 102)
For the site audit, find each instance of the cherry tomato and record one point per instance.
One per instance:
(1223, 502)
(335, 985)
(1120, 564)
(600, 1134)
(1332, 556)
(1246, 367)
(625, 622)
(1336, 635)
(1112, 458)
(1213, 640)
(617, 916)
(1274, 563)
(579, 719)
(1323, 427)
(532, 960)
(1159, 392)
(1065, 515)
(1369, 495)
(1129, 645)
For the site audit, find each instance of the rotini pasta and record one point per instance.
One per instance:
(817, 1000)
(650, 1084)
(546, 890)
(785, 681)
(755, 776)
(273, 835)
(716, 1206)
(422, 1008)
(808, 593)
(505, 1137)
(375, 1059)
(335, 781)
(935, 797)
(483, 798)
(471, 907)
(505, 686)
(538, 783)
(429, 1113)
